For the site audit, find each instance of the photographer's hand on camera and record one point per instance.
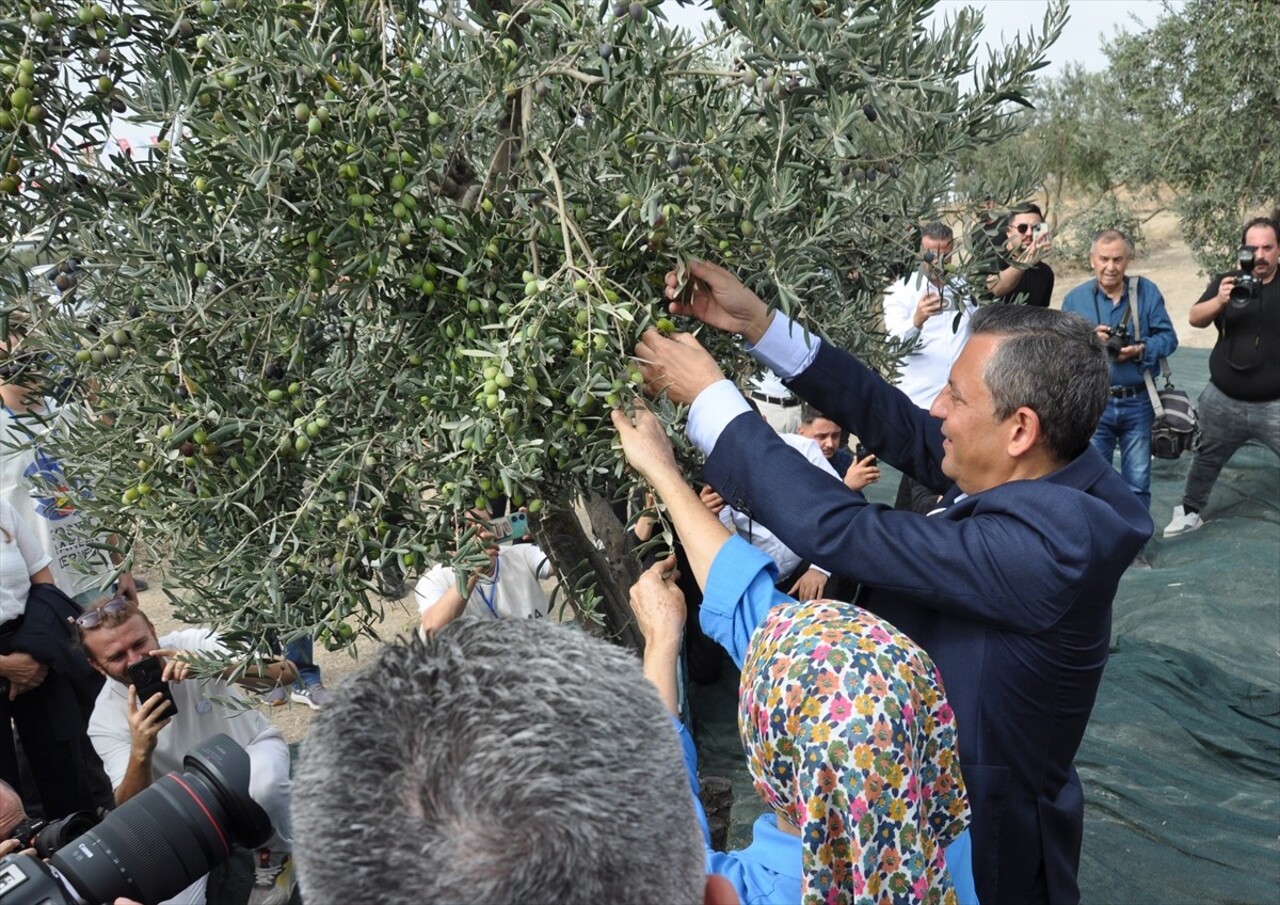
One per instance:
(23, 671)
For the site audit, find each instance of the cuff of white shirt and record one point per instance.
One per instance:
(711, 413)
(786, 348)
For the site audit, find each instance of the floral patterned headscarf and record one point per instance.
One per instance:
(849, 737)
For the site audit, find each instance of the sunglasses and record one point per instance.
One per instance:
(1023, 227)
(93, 618)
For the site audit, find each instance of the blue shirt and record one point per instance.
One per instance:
(738, 596)
(1090, 302)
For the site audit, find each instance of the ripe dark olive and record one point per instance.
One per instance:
(273, 371)
(870, 112)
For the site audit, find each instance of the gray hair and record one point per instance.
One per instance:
(500, 761)
(1051, 362)
(937, 231)
(1110, 235)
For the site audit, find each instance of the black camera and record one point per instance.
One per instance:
(1246, 288)
(47, 836)
(154, 845)
(1117, 339)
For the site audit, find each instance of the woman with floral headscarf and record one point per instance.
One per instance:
(850, 741)
(844, 719)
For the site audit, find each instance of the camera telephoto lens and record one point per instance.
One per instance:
(169, 835)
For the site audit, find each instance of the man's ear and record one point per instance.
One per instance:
(94, 664)
(1025, 432)
(719, 891)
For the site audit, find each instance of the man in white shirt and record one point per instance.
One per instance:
(510, 588)
(32, 480)
(928, 313)
(139, 741)
(796, 577)
(779, 406)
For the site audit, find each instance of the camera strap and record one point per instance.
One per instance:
(1156, 405)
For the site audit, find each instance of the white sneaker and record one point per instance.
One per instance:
(314, 696)
(1183, 522)
(272, 878)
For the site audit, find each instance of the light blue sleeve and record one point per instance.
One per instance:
(726, 864)
(960, 866)
(738, 595)
(786, 348)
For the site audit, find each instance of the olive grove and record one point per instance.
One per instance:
(385, 260)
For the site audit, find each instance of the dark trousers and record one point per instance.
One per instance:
(52, 726)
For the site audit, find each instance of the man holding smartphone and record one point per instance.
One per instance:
(509, 587)
(141, 739)
(928, 312)
(1020, 275)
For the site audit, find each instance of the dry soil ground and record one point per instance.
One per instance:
(1165, 259)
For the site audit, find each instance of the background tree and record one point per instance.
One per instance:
(1198, 96)
(386, 260)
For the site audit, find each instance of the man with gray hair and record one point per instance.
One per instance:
(928, 313)
(513, 761)
(1008, 587)
(1130, 318)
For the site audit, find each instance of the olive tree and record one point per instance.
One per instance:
(1196, 100)
(386, 260)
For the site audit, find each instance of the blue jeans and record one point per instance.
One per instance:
(300, 653)
(1128, 423)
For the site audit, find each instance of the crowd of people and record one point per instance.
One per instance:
(910, 722)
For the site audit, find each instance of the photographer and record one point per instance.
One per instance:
(142, 740)
(1135, 328)
(1241, 402)
(1018, 273)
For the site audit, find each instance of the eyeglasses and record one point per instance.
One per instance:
(93, 618)
(1023, 227)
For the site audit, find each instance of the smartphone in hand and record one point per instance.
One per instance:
(146, 676)
(510, 528)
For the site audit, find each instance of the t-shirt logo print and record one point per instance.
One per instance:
(46, 473)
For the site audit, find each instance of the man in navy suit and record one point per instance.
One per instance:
(1008, 587)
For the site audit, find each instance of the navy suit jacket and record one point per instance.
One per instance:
(1009, 591)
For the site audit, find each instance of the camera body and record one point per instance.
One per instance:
(1117, 339)
(1246, 288)
(47, 836)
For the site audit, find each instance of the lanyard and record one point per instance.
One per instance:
(493, 588)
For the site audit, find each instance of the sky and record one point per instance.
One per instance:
(1090, 20)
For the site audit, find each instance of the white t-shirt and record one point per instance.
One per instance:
(516, 593)
(925, 370)
(200, 715)
(761, 537)
(30, 479)
(21, 556)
